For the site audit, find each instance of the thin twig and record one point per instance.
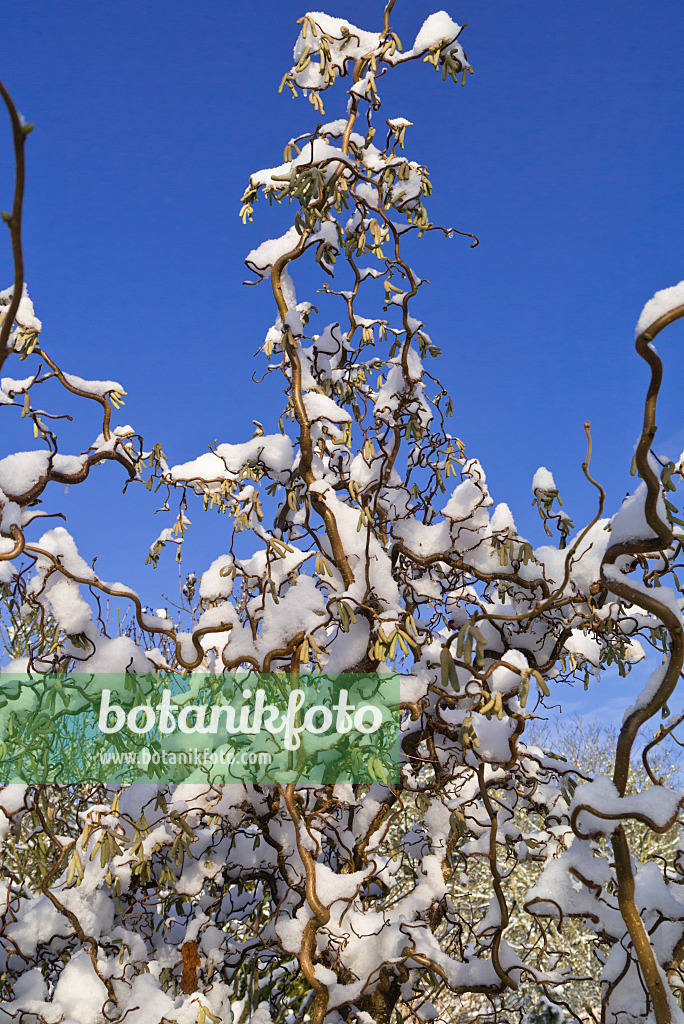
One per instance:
(13, 219)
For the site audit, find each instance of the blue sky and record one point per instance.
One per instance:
(563, 154)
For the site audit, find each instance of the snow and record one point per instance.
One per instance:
(30, 986)
(584, 646)
(543, 480)
(502, 519)
(313, 152)
(21, 471)
(12, 387)
(466, 497)
(494, 736)
(662, 302)
(349, 649)
(630, 523)
(600, 808)
(12, 798)
(331, 886)
(320, 407)
(167, 536)
(423, 540)
(61, 544)
(67, 605)
(362, 42)
(262, 1014)
(228, 460)
(92, 387)
(290, 931)
(437, 28)
(261, 259)
(586, 567)
(38, 922)
(68, 465)
(148, 1003)
(216, 583)
(79, 993)
(25, 315)
(504, 680)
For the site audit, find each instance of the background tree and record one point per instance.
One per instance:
(343, 903)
